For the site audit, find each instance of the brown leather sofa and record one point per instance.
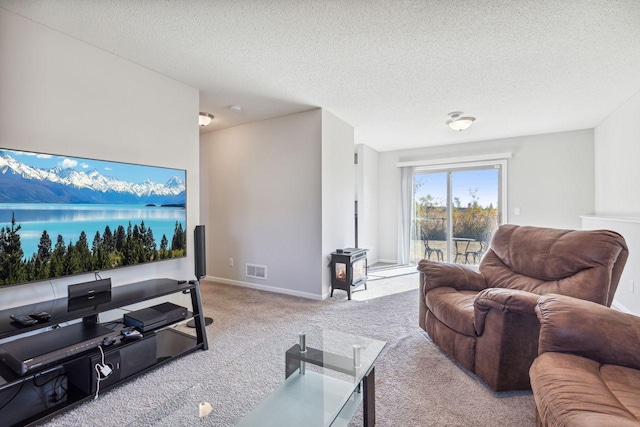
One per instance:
(588, 370)
(486, 320)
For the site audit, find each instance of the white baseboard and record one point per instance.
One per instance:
(619, 307)
(267, 288)
(372, 261)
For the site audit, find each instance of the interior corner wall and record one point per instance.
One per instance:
(617, 205)
(617, 153)
(62, 96)
(265, 203)
(550, 178)
(338, 215)
(367, 196)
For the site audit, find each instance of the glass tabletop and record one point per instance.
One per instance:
(254, 390)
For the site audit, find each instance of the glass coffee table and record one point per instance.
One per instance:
(326, 396)
(301, 376)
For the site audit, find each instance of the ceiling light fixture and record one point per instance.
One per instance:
(457, 122)
(204, 119)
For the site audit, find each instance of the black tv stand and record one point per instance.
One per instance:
(53, 388)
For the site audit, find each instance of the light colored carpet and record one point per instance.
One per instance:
(394, 271)
(416, 384)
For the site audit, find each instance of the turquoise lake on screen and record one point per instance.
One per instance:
(69, 220)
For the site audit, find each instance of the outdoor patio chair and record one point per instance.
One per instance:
(429, 250)
(476, 256)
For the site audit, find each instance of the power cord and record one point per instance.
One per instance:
(42, 374)
(53, 289)
(57, 379)
(58, 385)
(14, 396)
(102, 372)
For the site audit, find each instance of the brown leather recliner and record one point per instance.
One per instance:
(588, 371)
(486, 320)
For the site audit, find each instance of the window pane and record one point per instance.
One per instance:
(429, 233)
(475, 213)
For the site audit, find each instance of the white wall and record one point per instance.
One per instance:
(617, 179)
(338, 227)
(265, 202)
(617, 154)
(61, 96)
(367, 194)
(280, 194)
(550, 178)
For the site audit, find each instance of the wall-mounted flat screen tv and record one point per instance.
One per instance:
(62, 215)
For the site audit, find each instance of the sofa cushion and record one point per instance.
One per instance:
(440, 274)
(545, 260)
(624, 384)
(589, 330)
(460, 346)
(573, 391)
(452, 307)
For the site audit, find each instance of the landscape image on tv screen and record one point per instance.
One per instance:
(62, 215)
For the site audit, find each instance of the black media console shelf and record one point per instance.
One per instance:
(56, 387)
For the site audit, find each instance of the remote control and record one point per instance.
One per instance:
(43, 316)
(23, 320)
(131, 334)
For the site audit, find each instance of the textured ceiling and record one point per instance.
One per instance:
(391, 69)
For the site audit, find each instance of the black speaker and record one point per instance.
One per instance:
(200, 252)
(200, 265)
(89, 288)
(92, 300)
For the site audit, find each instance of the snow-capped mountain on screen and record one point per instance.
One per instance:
(21, 183)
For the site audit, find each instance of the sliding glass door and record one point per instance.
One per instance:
(456, 212)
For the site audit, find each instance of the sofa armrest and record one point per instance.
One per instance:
(511, 300)
(587, 329)
(437, 274)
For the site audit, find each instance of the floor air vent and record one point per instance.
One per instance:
(257, 271)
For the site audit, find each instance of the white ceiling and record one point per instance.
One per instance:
(391, 69)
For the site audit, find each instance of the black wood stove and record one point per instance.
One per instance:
(348, 269)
